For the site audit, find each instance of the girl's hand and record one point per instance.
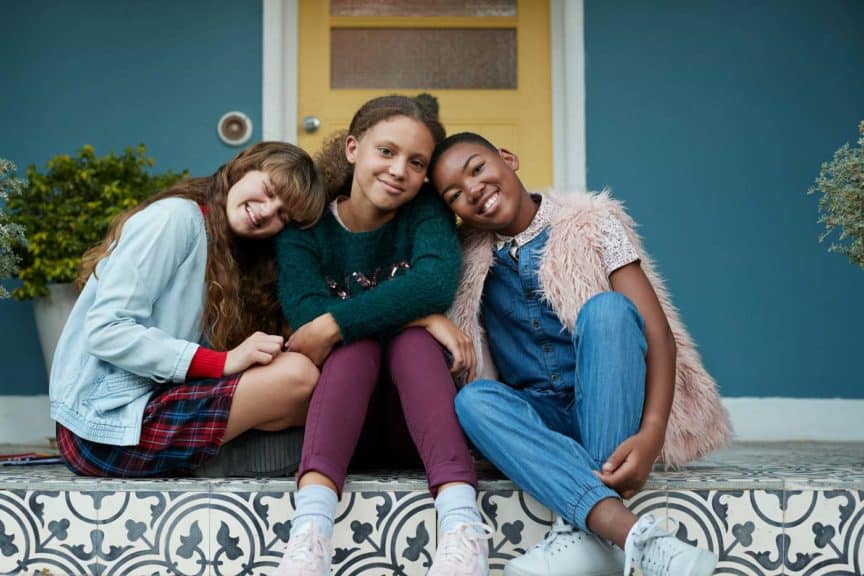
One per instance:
(259, 348)
(455, 341)
(316, 339)
(627, 469)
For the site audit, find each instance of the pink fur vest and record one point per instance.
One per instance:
(572, 272)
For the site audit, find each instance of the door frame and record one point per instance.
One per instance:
(567, 36)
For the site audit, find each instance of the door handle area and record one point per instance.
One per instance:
(311, 124)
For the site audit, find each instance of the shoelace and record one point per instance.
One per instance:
(306, 544)
(650, 531)
(459, 546)
(559, 527)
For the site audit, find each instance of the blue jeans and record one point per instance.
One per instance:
(548, 440)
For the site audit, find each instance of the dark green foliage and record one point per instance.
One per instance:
(67, 209)
(11, 234)
(841, 207)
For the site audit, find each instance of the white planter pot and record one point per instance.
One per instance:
(51, 313)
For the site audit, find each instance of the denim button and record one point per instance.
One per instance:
(554, 377)
(535, 323)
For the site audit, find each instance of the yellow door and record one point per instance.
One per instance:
(489, 70)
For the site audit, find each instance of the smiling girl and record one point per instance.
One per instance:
(172, 349)
(384, 255)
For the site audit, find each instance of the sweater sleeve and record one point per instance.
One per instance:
(427, 287)
(206, 363)
(303, 292)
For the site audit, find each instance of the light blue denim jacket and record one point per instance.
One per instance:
(136, 323)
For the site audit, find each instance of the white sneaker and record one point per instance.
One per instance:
(463, 552)
(308, 553)
(657, 552)
(568, 551)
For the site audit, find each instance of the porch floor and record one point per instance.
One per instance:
(764, 509)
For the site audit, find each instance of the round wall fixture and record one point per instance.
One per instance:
(234, 128)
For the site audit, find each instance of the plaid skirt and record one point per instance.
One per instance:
(183, 426)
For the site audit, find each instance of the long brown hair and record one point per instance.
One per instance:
(241, 273)
(335, 169)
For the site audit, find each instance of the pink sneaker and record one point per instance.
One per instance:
(463, 552)
(308, 553)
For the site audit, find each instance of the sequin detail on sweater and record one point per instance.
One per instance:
(342, 290)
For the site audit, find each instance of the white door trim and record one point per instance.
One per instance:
(279, 70)
(567, 34)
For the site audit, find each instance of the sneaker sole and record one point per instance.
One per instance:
(703, 566)
(510, 571)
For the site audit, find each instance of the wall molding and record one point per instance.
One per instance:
(26, 420)
(806, 419)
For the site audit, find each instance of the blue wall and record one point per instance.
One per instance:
(710, 119)
(114, 74)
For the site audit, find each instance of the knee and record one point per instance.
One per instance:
(362, 357)
(356, 351)
(410, 340)
(306, 377)
(610, 312)
(299, 373)
(474, 401)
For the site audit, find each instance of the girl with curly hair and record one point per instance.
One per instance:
(360, 287)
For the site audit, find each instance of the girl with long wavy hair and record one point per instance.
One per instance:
(360, 287)
(174, 345)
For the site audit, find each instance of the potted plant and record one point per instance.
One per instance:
(11, 234)
(841, 207)
(64, 211)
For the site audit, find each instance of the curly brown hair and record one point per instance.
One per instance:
(335, 169)
(231, 314)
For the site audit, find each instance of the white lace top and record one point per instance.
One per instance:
(618, 251)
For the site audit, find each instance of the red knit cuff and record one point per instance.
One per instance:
(206, 364)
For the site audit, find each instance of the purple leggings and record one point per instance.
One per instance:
(341, 400)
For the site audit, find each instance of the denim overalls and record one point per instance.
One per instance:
(565, 400)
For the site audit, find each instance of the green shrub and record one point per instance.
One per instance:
(67, 209)
(11, 234)
(841, 207)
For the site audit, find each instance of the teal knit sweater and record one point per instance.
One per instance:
(371, 282)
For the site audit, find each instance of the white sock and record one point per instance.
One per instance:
(315, 504)
(456, 505)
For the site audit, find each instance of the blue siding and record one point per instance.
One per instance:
(710, 119)
(114, 74)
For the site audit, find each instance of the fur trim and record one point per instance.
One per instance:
(572, 272)
(477, 259)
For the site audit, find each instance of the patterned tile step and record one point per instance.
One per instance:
(761, 513)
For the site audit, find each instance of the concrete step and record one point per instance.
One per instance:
(764, 509)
